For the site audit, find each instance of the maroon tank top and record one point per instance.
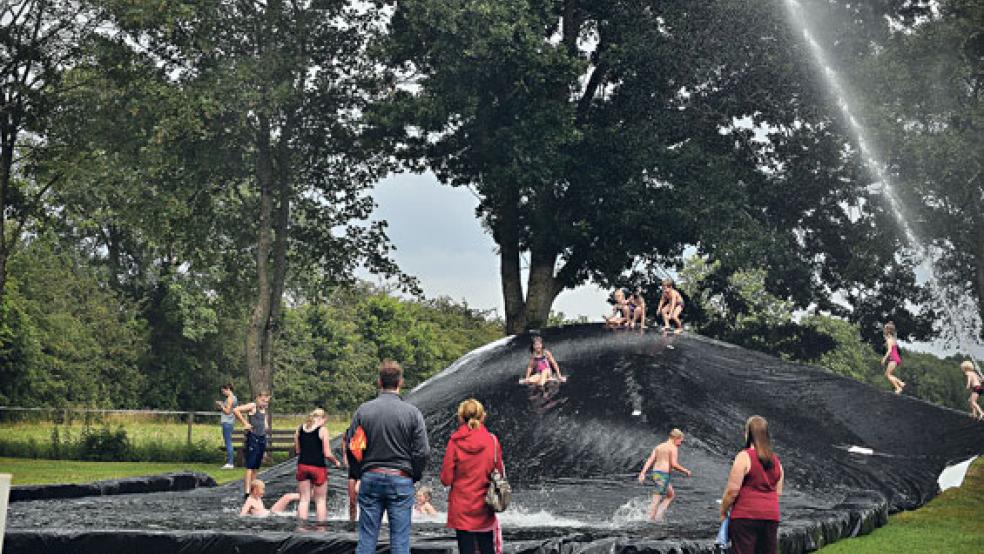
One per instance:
(758, 498)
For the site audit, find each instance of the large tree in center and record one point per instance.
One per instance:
(603, 136)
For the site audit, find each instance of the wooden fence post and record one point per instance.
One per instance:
(5, 479)
(191, 421)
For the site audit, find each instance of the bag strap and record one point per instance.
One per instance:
(495, 455)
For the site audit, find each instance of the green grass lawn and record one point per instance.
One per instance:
(952, 523)
(140, 430)
(39, 472)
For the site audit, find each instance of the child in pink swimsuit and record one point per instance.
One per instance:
(891, 360)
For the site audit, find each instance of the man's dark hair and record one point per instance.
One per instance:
(227, 386)
(390, 374)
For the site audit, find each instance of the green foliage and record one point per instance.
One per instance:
(851, 356)
(103, 445)
(330, 351)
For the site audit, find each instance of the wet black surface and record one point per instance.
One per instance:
(573, 451)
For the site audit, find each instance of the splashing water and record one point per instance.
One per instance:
(961, 329)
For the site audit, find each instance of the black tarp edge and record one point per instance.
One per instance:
(165, 482)
(856, 515)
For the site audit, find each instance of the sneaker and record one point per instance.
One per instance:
(228, 466)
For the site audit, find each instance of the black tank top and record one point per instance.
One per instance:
(312, 448)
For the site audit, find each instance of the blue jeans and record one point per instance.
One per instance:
(227, 437)
(379, 492)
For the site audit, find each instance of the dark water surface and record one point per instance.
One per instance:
(573, 452)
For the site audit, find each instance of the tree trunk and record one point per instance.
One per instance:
(260, 378)
(542, 288)
(6, 166)
(507, 236)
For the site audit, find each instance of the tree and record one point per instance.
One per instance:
(602, 137)
(280, 87)
(39, 40)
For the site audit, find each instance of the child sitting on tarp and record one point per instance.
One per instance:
(254, 502)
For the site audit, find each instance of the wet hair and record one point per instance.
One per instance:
(676, 434)
(533, 341)
(472, 413)
(757, 435)
(256, 484)
(967, 366)
(667, 282)
(227, 386)
(315, 413)
(390, 374)
(426, 492)
(890, 329)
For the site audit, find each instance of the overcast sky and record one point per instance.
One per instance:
(441, 242)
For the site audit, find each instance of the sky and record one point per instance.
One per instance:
(439, 240)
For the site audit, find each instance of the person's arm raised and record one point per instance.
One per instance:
(239, 414)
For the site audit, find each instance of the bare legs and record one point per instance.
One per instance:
(895, 381)
(284, 501)
(304, 499)
(250, 475)
(320, 493)
(673, 316)
(657, 510)
(353, 499)
(975, 408)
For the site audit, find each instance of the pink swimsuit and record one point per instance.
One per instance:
(893, 355)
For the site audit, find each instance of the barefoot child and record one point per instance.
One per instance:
(974, 384)
(423, 504)
(254, 502)
(543, 363)
(663, 461)
(620, 311)
(891, 360)
(637, 309)
(670, 306)
(256, 422)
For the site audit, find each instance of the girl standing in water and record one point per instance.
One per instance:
(891, 360)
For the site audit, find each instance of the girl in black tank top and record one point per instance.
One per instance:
(311, 446)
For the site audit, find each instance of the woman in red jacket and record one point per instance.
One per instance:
(471, 455)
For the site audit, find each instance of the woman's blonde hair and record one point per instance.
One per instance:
(472, 413)
(757, 435)
(315, 413)
(676, 434)
(890, 329)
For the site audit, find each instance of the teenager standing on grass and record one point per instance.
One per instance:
(256, 422)
(228, 420)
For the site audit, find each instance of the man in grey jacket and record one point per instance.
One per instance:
(394, 452)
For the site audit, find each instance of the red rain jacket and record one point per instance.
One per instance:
(466, 468)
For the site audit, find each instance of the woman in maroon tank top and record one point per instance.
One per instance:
(752, 493)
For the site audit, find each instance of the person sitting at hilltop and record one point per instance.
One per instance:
(542, 363)
(254, 502)
(620, 311)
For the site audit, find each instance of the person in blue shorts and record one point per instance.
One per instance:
(256, 422)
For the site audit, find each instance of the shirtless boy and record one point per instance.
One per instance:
(254, 502)
(670, 306)
(974, 384)
(663, 461)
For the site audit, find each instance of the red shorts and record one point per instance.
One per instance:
(315, 474)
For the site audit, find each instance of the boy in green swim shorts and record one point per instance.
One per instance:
(662, 462)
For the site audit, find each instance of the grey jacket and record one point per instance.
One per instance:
(396, 436)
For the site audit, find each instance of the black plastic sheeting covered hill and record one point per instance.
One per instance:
(573, 452)
(177, 481)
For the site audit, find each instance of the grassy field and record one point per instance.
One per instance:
(39, 472)
(952, 523)
(159, 439)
